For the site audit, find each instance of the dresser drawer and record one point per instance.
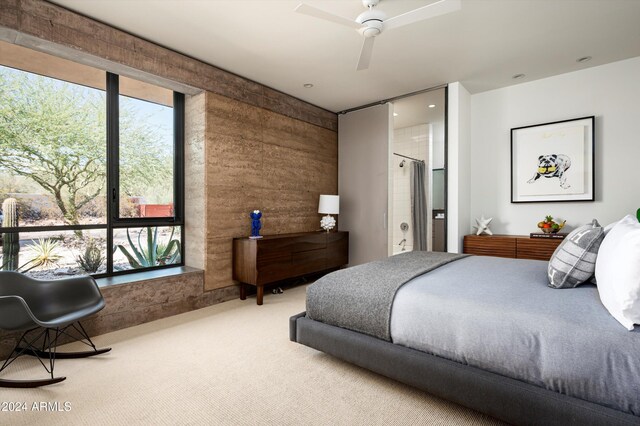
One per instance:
(272, 267)
(490, 245)
(295, 244)
(307, 262)
(309, 242)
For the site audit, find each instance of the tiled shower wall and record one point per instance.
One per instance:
(413, 142)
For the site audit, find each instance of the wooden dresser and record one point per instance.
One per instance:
(278, 257)
(512, 246)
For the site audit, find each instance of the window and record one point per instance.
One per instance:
(91, 169)
(146, 150)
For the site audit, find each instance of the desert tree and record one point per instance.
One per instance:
(54, 134)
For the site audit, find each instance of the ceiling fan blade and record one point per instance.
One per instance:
(432, 10)
(365, 54)
(305, 9)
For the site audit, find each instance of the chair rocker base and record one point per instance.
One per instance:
(64, 355)
(24, 384)
(42, 344)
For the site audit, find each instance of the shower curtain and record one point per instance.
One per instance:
(418, 206)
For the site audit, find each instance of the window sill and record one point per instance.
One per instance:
(145, 276)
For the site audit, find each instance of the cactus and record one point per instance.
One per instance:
(10, 241)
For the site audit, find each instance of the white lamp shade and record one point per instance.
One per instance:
(329, 204)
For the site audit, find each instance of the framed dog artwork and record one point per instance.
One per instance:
(553, 162)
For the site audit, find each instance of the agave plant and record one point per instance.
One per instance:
(151, 252)
(45, 255)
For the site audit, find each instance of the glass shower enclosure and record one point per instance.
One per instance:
(417, 173)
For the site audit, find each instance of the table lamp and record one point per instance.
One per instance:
(329, 204)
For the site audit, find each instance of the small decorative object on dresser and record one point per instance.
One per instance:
(549, 226)
(256, 225)
(482, 226)
(328, 205)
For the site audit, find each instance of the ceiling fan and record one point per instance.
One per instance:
(373, 22)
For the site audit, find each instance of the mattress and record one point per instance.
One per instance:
(499, 315)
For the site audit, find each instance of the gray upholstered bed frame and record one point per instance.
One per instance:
(504, 398)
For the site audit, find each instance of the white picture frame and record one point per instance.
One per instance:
(553, 162)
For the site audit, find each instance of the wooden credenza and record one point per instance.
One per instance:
(278, 257)
(512, 246)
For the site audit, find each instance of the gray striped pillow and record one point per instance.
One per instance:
(574, 261)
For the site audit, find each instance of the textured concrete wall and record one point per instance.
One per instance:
(194, 196)
(257, 159)
(143, 301)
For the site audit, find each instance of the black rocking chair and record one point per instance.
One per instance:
(46, 311)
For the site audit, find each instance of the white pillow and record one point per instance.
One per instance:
(618, 271)
(609, 227)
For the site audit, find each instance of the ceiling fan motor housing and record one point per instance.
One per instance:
(372, 20)
(370, 3)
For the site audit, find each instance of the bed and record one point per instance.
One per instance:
(484, 332)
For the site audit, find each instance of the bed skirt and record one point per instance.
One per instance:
(501, 397)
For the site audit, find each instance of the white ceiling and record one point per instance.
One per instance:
(414, 110)
(482, 46)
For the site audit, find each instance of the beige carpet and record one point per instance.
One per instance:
(225, 365)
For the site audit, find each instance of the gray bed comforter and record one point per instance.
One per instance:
(360, 297)
(499, 315)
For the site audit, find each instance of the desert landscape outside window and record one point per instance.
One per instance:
(58, 214)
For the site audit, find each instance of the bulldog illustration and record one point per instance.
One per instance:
(553, 165)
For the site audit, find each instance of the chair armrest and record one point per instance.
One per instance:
(15, 314)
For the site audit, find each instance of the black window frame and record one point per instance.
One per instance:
(113, 221)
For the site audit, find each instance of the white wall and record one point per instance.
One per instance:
(610, 92)
(363, 168)
(458, 167)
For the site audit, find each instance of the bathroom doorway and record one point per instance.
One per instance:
(417, 174)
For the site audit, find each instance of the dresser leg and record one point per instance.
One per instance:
(243, 291)
(260, 291)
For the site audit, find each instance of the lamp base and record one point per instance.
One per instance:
(327, 223)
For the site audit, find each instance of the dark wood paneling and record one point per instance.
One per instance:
(511, 246)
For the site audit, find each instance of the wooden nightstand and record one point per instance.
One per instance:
(511, 246)
(279, 257)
